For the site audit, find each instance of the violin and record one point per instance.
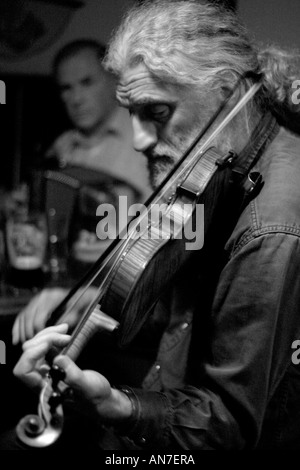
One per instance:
(130, 271)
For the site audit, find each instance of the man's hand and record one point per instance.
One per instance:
(35, 350)
(34, 316)
(90, 388)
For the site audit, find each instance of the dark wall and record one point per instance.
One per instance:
(29, 121)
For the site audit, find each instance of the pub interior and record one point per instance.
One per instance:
(31, 33)
(32, 116)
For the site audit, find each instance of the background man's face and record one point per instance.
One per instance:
(86, 91)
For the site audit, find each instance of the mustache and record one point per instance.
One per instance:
(159, 157)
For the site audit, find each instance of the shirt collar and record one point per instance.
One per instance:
(113, 126)
(261, 137)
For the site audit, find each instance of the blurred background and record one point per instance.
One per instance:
(31, 32)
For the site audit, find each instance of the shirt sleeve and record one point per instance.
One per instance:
(254, 322)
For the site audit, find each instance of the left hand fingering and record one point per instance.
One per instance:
(35, 350)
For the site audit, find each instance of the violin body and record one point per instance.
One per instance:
(150, 262)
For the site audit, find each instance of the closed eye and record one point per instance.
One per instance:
(158, 112)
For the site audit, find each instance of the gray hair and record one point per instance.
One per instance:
(201, 45)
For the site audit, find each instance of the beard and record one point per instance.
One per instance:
(158, 167)
(162, 158)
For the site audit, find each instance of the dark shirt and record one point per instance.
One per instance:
(223, 377)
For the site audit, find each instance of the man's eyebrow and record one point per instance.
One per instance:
(143, 101)
(138, 101)
(146, 102)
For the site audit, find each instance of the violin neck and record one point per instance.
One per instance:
(95, 322)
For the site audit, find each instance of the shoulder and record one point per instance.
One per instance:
(279, 201)
(63, 144)
(276, 209)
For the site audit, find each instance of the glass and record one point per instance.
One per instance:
(26, 242)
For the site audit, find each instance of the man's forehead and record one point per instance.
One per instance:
(87, 55)
(82, 62)
(137, 86)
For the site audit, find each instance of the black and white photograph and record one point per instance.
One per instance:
(149, 228)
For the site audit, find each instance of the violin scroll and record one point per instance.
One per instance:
(45, 428)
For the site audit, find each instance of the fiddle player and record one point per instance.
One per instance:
(221, 376)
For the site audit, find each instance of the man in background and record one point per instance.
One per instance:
(98, 150)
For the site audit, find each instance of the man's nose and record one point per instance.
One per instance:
(77, 96)
(144, 134)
